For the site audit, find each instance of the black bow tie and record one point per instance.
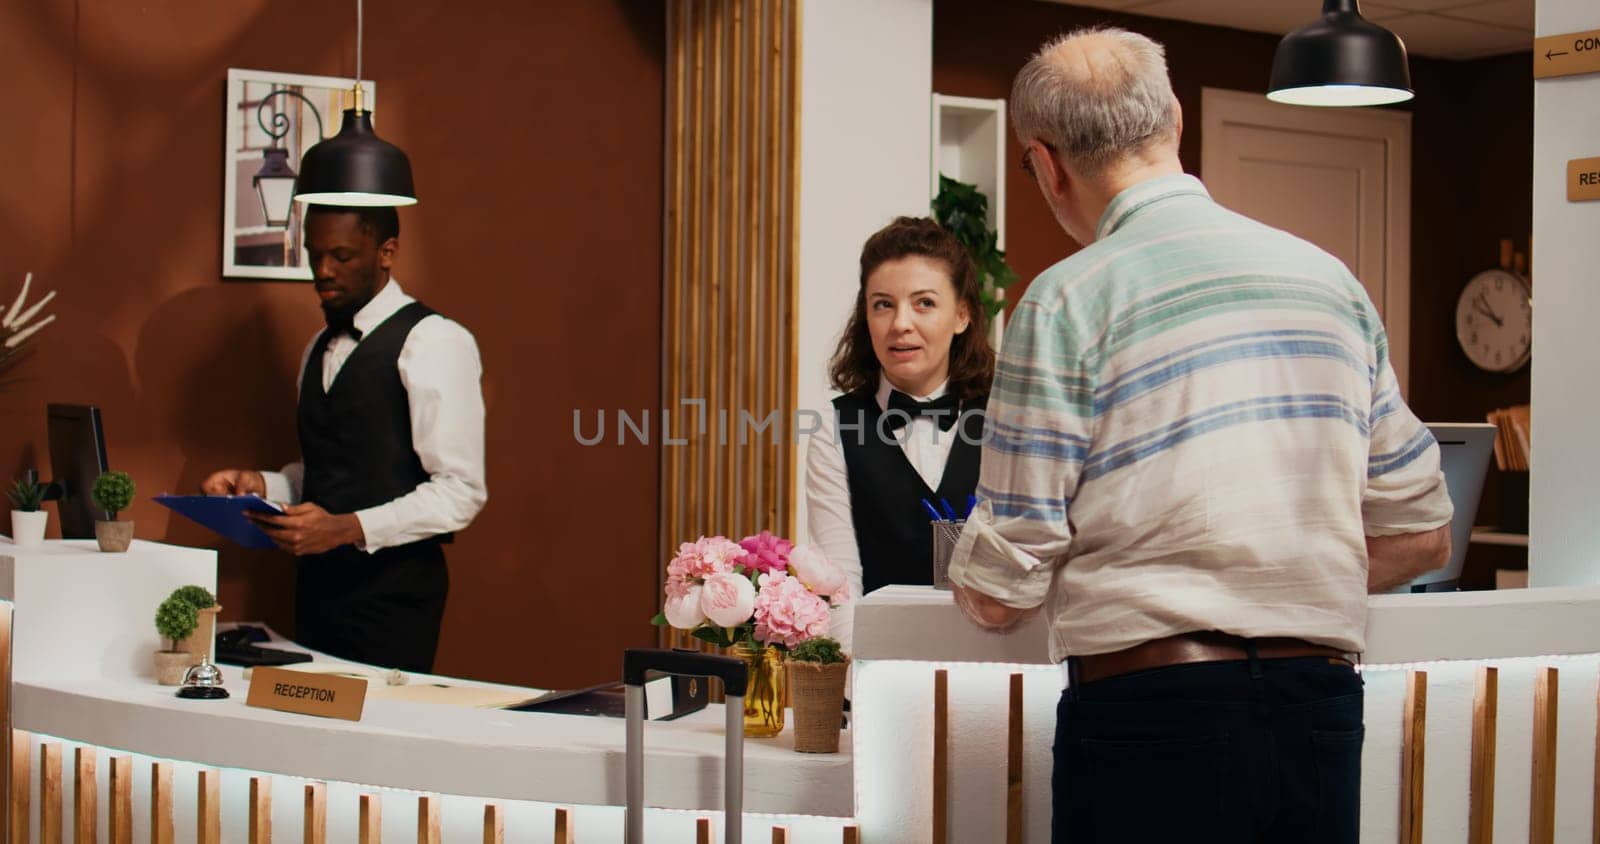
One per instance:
(344, 328)
(943, 409)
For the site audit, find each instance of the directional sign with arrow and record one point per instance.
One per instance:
(1566, 55)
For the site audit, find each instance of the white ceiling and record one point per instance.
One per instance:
(1443, 29)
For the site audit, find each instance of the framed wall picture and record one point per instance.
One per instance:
(271, 120)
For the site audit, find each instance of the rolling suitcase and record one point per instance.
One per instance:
(637, 661)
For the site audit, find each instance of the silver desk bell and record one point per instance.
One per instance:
(203, 681)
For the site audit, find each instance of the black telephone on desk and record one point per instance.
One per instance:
(238, 647)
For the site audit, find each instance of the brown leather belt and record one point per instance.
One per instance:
(1206, 646)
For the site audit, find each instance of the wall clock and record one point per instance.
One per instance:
(1494, 321)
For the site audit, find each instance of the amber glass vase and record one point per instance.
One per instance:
(763, 695)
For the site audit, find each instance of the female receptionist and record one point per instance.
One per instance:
(914, 364)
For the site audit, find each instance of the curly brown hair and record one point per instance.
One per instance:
(855, 367)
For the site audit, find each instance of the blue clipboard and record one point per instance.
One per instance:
(224, 514)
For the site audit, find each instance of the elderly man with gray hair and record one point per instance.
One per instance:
(1198, 464)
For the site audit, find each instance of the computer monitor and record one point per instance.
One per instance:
(77, 457)
(1464, 451)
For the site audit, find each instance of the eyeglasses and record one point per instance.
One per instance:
(1027, 160)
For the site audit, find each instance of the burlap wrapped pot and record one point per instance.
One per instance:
(816, 692)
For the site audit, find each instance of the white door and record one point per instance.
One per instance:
(1340, 178)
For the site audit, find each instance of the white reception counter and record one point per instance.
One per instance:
(82, 678)
(83, 674)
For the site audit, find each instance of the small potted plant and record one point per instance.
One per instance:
(201, 642)
(176, 620)
(817, 669)
(113, 492)
(27, 520)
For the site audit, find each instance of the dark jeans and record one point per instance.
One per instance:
(1246, 751)
(382, 609)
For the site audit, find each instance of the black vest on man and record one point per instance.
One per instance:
(355, 439)
(886, 493)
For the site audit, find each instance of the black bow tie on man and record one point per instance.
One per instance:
(943, 409)
(343, 325)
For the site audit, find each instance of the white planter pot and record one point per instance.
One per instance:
(27, 527)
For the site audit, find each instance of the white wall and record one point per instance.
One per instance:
(1566, 270)
(865, 86)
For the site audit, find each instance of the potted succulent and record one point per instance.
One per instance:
(27, 520)
(113, 492)
(201, 642)
(817, 669)
(176, 620)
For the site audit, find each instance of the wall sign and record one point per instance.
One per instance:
(326, 695)
(1566, 55)
(1583, 179)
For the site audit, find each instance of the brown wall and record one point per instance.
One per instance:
(1472, 164)
(535, 134)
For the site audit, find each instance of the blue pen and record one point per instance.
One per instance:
(948, 510)
(926, 505)
(972, 504)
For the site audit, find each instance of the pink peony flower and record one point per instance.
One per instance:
(728, 599)
(787, 612)
(704, 557)
(765, 552)
(683, 610)
(817, 572)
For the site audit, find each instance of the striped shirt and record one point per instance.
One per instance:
(1193, 426)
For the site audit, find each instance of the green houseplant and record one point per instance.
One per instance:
(113, 492)
(200, 641)
(964, 211)
(27, 520)
(817, 671)
(176, 620)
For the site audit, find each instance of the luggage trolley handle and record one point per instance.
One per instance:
(635, 663)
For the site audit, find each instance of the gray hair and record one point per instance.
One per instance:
(1100, 109)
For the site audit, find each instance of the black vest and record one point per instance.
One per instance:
(355, 437)
(892, 531)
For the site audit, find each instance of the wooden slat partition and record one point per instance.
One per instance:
(1542, 797)
(120, 817)
(427, 819)
(1595, 804)
(1014, 764)
(730, 271)
(50, 793)
(1485, 709)
(21, 795)
(208, 808)
(85, 794)
(163, 828)
(702, 831)
(566, 830)
(316, 814)
(1412, 752)
(494, 825)
(371, 825)
(260, 810)
(9, 784)
(941, 756)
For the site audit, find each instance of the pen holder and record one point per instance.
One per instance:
(945, 534)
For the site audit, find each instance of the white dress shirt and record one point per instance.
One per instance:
(830, 523)
(440, 370)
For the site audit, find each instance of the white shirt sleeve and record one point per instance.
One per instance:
(830, 524)
(441, 371)
(284, 486)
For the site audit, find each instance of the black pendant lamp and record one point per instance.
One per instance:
(1341, 59)
(355, 167)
